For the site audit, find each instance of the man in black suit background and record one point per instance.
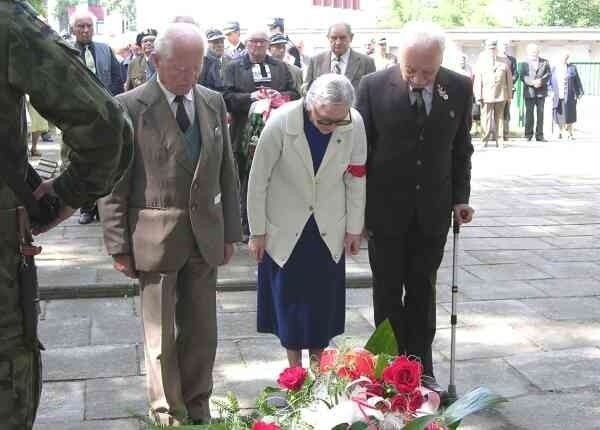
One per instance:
(417, 117)
(535, 74)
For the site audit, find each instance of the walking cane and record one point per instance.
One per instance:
(452, 385)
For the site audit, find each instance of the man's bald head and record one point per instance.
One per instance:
(82, 24)
(179, 51)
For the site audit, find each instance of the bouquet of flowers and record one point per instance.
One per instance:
(258, 114)
(354, 389)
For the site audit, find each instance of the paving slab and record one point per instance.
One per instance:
(569, 269)
(481, 313)
(62, 402)
(58, 333)
(506, 272)
(567, 255)
(568, 287)
(89, 362)
(499, 290)
(107, 309)
(554, 335)
(560, 370)
(489, 341)
(494, 374)
(115, 398)
(119, 424)
(470, 244)
(566, 308)
(124, 330)
(503, 256)
(554, 411)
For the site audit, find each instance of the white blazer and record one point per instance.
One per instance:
(283, 191)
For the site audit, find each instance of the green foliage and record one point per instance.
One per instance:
(446, 13)
(474, 401)
(420, 423)
(383, 340)
(570, 13)
(39, 6)
(126, 8)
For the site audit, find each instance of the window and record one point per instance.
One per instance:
(326, 3)
(355, 4)
(338, 3)
(317, 2)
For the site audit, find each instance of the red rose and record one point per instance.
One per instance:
(328, 360)
(261, 425)
(399, 403)
(356, 363)
(375, 389)
(415, 400)
(292, 378)
(404, 374)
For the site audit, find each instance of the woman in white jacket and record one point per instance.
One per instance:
(306, 200)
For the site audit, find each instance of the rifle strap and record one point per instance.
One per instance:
(16, 183)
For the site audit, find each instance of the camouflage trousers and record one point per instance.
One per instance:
(20, 367)
(20, 385)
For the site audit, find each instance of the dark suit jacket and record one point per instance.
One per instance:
(411, 172)
(210, 77)
(573, 86)
(542, 72)
(359, 65)
(239, 84)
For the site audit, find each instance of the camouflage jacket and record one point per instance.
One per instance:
(35, 60)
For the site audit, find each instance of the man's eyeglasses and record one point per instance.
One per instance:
(339, 122)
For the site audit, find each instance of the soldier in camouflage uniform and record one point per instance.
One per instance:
(34, 60)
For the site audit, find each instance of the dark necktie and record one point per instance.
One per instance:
(181, 116)
(420, 105)
(337, 66)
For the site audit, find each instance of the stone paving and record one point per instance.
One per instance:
(529, 306)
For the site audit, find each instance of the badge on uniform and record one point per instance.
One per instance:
(452, 114)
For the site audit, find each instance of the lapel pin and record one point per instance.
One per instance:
(442, 92)
(452, 114)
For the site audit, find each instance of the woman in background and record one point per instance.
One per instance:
(566, 89)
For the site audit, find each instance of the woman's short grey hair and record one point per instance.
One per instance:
(163, 45)
(330, 88)
(421, 34)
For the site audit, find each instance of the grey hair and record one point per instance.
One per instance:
(82, 14)
(422, 34)
(163, 45)
(343, 24)
(330, 88)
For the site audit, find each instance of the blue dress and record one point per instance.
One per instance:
(303, 303)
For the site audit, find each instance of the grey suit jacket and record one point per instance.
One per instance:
(359, 65)
(167, 208)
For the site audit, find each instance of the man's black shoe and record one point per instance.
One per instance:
(529, 138)
(86, 218)
(430, 383)
(541, 139)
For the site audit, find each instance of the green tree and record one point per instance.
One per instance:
(39, 5)
(446, 13)
(127, 10)
(62, 13)
(570, 13)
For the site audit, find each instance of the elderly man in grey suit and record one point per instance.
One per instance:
(172, 220)
(340, 59)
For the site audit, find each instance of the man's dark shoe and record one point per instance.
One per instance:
(430, 383)
(529, 138)
(541, 139)
(86, 218)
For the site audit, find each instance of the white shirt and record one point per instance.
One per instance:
(188, 101)
(343, 61)
(427, 97)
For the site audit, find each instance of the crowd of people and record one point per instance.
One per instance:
(353, 146)
(496, 76)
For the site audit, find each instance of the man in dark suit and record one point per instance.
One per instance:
(340, 58)
(244, 78)
(535, 74)
(101, 61)
(417, 118)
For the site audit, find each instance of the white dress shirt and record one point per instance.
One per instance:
(344, 59)
(427, 96)
(188, 101)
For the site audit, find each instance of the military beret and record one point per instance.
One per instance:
(214, 34)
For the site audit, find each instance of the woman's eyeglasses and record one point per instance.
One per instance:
(339, 122)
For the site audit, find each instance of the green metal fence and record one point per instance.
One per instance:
(590, 78)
